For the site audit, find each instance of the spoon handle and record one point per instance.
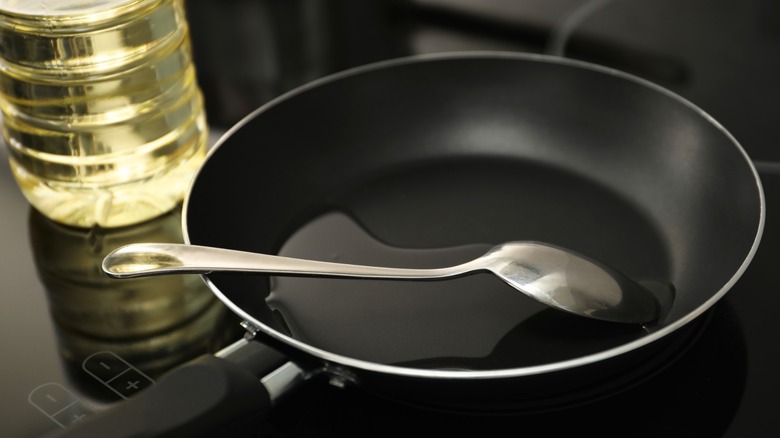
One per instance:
(146, 259)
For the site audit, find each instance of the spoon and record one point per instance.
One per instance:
(549, 274)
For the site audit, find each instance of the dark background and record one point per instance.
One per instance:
(720, 54)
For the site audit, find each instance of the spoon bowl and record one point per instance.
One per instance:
(552, 275)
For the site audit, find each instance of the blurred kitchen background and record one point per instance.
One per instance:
(724, 55)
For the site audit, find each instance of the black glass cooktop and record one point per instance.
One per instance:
(62, 322)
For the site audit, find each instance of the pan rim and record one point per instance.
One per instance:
(518, 372)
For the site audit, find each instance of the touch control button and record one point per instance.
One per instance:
(118, 375)
(59, 404)
(71, 415)
(105, 366)
(129, 383)
(51, 398)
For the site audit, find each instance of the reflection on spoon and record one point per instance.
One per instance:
(551, 275)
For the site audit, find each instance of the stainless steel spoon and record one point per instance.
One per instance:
(554, 276)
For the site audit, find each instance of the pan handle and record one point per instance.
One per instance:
(204, 397)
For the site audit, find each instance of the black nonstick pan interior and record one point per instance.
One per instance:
(430, 161)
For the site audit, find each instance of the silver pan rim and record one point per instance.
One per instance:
(338, 360)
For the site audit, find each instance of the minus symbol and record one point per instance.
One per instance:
(104, 365)
(51, 397)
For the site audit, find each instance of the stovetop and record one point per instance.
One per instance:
(59, 313)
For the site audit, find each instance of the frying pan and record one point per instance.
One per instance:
(426, 161)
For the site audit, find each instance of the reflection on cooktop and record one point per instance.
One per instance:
(153, 323)
(696, 395)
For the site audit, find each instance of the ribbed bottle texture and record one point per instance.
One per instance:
(101, 109)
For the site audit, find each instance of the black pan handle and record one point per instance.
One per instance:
(204, 397)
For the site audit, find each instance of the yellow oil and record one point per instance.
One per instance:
(101, 109)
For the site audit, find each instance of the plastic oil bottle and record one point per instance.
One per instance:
(101, 111)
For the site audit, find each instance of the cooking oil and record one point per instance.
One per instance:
(102, 113)
(475, 322)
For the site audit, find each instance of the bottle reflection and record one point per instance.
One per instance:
(154, 323)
